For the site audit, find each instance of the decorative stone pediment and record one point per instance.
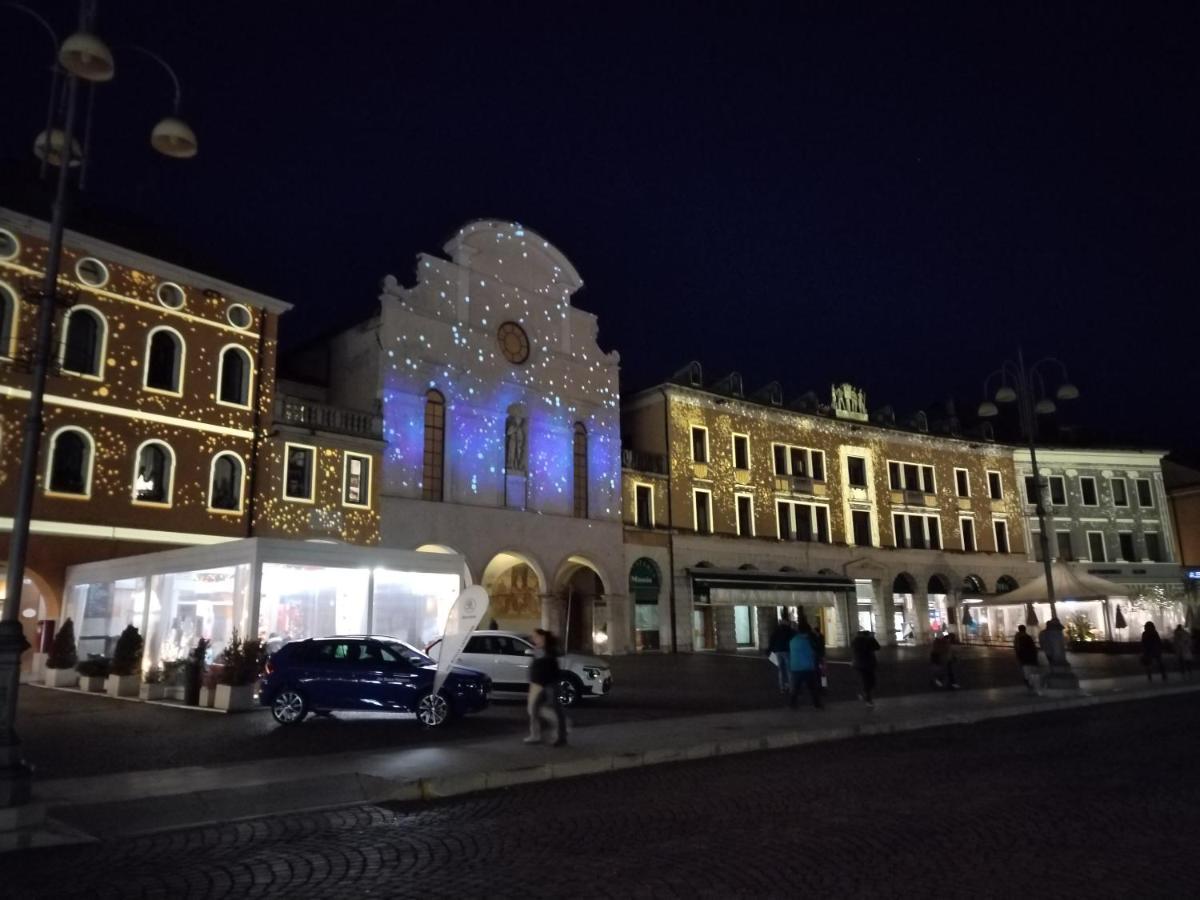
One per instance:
(849, 402)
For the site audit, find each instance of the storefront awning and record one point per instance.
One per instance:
(755, 579)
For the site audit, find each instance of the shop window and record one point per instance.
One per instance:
(164, 360)
(299, 472)
(70, 472)
(435, 446)
(225, 485)
(83, 342)
(580, 454)
(153, 480)
(234, 376)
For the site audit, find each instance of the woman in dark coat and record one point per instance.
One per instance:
(1152, 652)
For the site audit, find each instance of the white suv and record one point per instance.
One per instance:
(505, 657)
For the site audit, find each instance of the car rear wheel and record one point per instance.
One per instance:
(568, 692)
(433, 710)
(289, 707)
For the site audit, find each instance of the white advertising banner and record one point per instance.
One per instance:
(463, 619)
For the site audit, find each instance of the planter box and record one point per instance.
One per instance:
(38, 668)
(62, 677)
(152, 691)
(175, 692)
(234, 698)
(123, 685)
(93, 684)
(207, 695)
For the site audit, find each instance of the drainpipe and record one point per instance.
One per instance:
(670, 518)
(252, 481)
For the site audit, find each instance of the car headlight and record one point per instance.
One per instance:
(594, 673)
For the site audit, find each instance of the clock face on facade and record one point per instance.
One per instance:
(514, 343)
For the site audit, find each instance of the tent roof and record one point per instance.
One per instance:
(1069, 584)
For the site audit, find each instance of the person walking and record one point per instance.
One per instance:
(1027, 659)
(779, 647)
(543, 689)
(865, 646)
(1152, 652)
(802, 662)
(942, 657)
(1182, 639)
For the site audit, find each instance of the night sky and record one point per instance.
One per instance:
(890, 194)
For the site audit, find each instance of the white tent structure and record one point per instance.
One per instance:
(1069, 584)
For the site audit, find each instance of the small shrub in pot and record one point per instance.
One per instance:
(61, 661)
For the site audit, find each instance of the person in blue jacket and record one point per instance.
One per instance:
(802, 662)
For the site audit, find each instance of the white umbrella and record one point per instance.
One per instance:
(1069, 584)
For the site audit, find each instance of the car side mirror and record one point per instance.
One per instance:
(529, 651)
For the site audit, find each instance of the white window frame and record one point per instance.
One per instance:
(16, 245)
(10, 352)
(1050, 491)
(90, 470)
(312, 473)
(998, 521)
(103, 267)
(867, 472)
(873, 536)
(649, 487)
(904, 486)
(696, 492)
(967, 474)
(733, 439)
(249, 404)
(137, 458)
(962, 534)
(1133, 557)
(212, 468)
(346, 454)
(1103, 547)
(1138, 494)
(182, 362)
(1113, 493)
(793, 518)
(158, 295)
(692, 445)
(1162, 547)
(62, 344)
(924, 517)
(1095, 490)
(737, 517)
(1000, 480)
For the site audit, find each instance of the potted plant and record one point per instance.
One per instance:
(125, 672)
(93, 672)
(174, 674)
(241, 662)
(196, 665)
(60, 663)
(153, 685)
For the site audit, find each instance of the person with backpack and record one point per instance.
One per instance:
(802, 661)
(865, 646)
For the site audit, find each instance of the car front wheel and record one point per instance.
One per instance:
(568, 692)
(289, 707)
(433, 710)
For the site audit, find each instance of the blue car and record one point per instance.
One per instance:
(365, 673)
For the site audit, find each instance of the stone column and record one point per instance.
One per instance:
(920, 624)
(883, 606)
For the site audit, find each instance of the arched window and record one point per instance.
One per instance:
(435, 446)
(8, 322)
(154, 475)
(164, 360)
(225, 486)
(83, 342)
(70, 470)
(234, 377)
(581, 471)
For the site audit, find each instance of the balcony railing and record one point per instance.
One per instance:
(322, 417)
(655, 463)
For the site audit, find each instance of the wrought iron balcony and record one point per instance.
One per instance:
(654, 463)
(322, 417)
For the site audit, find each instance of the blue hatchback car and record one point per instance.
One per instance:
(365, 673)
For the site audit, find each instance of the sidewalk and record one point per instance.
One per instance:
(139, 802)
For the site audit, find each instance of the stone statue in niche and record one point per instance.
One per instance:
(849, 402)
(515, 440)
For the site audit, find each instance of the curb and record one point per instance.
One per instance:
(146, 815)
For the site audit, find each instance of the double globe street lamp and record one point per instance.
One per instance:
(82, 60)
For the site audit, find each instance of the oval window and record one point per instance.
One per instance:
(239, 316)
(9, 245)
(170, 295)
(91, 271)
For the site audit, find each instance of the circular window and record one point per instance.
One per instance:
(170, 295)
(91, 271)
(239, 316)
(9, 245)
(514, 343)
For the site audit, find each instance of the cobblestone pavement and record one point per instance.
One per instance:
(126, 736)
(1088, 803)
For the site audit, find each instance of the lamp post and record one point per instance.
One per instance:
(82, 57)
(1027, 387)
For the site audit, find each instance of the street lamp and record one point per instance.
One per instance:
(81, 57)
(1027, 387)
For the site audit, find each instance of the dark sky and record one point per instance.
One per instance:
(892, 194)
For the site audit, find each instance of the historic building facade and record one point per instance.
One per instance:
(736, 506)
(501, 420)
(163, 425)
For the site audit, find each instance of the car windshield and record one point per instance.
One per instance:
(406, 653)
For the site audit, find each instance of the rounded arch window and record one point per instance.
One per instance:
(83, 343)
(164, 360)
(239, 316)
(170, 295)
(153, 477)
(70, 469)
(9, 245)
(8, 321)
(234, 376)
(225, 485)
(91, 271)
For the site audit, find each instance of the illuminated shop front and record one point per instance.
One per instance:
(275, 590)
